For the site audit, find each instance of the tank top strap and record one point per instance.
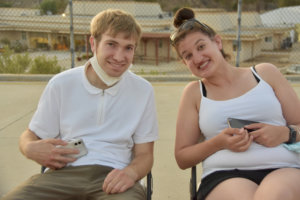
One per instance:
(255, 74)
(202, 89)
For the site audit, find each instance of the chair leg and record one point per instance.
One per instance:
(193, 184)
(43, 168)
(149, 186)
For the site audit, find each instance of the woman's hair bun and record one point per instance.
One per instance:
(182, 15)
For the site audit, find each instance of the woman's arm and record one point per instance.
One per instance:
(188, 150)
(290, 104)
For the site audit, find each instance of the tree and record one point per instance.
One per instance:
(284, 3)
(48, 6)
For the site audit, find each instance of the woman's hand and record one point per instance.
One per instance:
(237, 140)
(269, 135)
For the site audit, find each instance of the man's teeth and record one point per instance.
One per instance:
(203, 64)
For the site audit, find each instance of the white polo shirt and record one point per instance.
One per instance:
(109, 121)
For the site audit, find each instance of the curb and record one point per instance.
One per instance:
(25, 77)
(152, 78)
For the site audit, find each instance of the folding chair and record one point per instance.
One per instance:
(149, 183)
(193, 183)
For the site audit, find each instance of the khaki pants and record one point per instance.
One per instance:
(82, 182)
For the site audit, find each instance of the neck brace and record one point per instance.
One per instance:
(108, 80)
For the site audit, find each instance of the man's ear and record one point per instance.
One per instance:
(93, 44)
(218, 41)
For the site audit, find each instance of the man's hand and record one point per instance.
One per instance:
(118, 181)
(45, 151)
(47, 154)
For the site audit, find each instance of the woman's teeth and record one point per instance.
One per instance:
(203, 65)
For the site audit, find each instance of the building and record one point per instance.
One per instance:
(52, 32)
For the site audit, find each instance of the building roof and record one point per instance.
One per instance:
(137, 9)
(282, 16)
(218, 19)
(248, 19)
(19, 12)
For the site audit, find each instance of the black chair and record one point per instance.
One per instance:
(193, 183)
(149, 183)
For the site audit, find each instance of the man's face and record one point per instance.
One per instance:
(115, 54)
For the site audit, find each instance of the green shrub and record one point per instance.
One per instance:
(5, 42)
(44, 65)
(18, 47)
(13, 64)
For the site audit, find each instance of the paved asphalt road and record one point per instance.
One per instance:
(18, 102)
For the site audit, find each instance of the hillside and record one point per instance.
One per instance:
(173, 5)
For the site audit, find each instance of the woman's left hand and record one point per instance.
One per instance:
(268, 135)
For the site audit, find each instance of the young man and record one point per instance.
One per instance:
(109, 108)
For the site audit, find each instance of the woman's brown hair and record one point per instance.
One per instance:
(184, 21)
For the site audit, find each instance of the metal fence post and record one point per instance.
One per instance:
(239, 34)
(71, 35)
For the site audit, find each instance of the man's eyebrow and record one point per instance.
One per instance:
(110, 40)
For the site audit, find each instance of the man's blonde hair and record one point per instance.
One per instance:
(116, 21)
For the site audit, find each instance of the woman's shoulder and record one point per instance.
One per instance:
(192, 91)
(269, 72)
(191, 87)
(266, 68)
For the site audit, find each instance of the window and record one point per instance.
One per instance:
(24, 36)
(268, 39)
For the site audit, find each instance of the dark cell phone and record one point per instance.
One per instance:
(239, 123)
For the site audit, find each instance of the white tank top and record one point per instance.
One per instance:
(258, 104)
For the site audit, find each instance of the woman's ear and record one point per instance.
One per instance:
(218, 41)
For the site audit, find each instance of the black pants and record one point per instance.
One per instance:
(212, 180)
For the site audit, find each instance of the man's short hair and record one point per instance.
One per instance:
(116, 21)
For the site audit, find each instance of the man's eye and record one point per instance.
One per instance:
(129, 48)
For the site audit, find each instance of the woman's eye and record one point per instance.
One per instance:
(187, 57)
(200, 47)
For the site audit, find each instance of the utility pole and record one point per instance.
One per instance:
(71, 35)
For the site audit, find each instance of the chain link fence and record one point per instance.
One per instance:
(33, 39)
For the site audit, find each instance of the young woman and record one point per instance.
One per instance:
(237, 163)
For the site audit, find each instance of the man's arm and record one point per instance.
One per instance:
(118, 181)
(44, 152)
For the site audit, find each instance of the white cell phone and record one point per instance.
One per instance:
(75, 144)
(239, 123)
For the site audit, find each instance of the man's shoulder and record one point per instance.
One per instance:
(68, 75)
(138, 79)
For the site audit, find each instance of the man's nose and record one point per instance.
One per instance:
(119, 55)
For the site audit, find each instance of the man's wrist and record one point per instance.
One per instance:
(132, 173)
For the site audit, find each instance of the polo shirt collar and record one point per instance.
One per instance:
(94, 90)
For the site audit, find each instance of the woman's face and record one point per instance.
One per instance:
(200, 53)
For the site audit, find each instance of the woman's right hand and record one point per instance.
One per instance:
(236, 140)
